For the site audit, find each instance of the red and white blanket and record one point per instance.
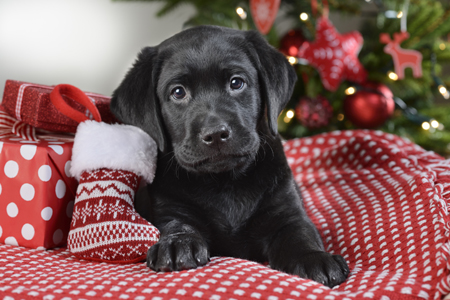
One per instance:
(378, 200)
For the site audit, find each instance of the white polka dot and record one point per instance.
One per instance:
(28, 231)
(67, 168)
(41, 248)
(45, 173)
(27, 192)
(69, 209)
(58, 149)
(1, 231)
(0, 189)
(47, 213)
(28, 151)
(11, 241)
(12, 210)
(332, 141)
(11, 169)
(1, 147)
(60, 189)
(58, 236)
(316, 152)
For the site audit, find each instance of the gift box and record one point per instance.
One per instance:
(30, 103)
(36, 191)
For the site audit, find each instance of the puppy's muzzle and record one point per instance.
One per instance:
(215, 136)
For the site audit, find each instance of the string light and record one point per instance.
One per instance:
(289, 116)
(442, 46)
(426, 126)
(350, 91)
(434, 124)
(440, 84)
(304, 16)
(444, 92)
(241, 12)
(411, 114)
(392, 76)
(292, 60)
(399, 15)
(340, 117)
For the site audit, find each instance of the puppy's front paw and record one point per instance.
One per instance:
(325, 268)
(176, 252)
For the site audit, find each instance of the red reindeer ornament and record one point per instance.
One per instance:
(403, 58)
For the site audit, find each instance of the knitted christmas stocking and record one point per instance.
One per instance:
(108, 161)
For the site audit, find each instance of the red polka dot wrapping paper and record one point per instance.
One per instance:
(30, 103)
(36, 191)
(378, 200)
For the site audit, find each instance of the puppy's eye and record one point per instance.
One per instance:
(236, 83)
(178, 93)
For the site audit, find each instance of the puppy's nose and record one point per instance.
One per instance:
(215, 135)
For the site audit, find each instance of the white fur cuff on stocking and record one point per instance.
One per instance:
(107, 161)
(113, 146)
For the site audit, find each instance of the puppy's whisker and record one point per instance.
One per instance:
(170, 163)
(177, 171)
(167, 154)
(187, 174)
(264, 138)
(263, 143)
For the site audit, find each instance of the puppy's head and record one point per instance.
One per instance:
(204, 94)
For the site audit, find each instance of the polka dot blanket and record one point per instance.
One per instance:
(378, 200)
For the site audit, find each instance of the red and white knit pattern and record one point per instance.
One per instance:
(382, 203)
(105, 226)
(378, 200)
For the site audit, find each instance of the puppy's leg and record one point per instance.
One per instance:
(181, 247)
(297, 250)
(294, 244)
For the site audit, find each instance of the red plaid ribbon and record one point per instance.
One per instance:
(10, 126)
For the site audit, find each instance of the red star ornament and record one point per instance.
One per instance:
(335, 56)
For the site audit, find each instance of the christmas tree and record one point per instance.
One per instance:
(366, 92)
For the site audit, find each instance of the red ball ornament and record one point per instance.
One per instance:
(291, 42)
(371, 106)
(314, 112)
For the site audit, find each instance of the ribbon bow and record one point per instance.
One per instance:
(10, 126)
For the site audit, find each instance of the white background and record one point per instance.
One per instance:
(87, 43)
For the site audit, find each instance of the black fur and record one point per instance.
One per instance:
(222, 185)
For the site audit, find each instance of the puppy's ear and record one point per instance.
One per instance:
(276, 77)
(135, 102)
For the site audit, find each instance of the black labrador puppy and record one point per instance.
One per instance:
(210, 98)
